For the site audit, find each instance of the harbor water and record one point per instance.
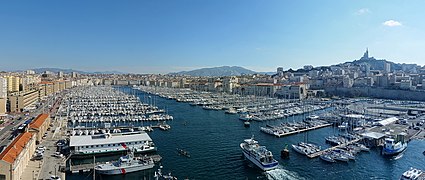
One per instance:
(212, 138)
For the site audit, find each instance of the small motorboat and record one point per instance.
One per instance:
(327, 157)
(183, 152)
(246, 124)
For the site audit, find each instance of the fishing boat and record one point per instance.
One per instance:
(258, 155)
(126, 164)
(392, 147)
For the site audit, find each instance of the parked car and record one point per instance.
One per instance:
(57, 154)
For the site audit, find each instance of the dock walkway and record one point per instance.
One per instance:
(333, 148)
(302, 130)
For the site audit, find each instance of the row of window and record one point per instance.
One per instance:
(113, 145)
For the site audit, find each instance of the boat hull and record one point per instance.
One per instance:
(116, 171)
(394, 152)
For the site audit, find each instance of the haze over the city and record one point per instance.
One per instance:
(169, 36)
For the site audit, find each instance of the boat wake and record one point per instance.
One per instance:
(280, 173)
(398, 156)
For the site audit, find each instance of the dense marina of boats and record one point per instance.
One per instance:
(102, 105)
(249, 107)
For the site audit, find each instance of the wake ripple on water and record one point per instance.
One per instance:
(282, 174)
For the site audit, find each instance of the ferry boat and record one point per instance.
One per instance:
(258, 155)
(126, 164)
(104, 144)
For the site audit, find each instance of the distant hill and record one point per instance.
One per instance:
(67, 71)
(217, 71)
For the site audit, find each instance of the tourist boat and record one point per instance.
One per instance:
(413, 174)
(258, 155)
(392, 148)
(104, 144)
(126, 164)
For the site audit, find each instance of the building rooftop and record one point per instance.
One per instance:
(15, 148)
(373, 135)
(107, 139)
(39, 120)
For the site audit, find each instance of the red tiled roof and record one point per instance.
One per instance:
(39, 120)
(15, 148)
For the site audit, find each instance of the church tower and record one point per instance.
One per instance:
(366, 54)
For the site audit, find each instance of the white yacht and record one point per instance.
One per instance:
(413, 174)
(126, 164)
(258, 155)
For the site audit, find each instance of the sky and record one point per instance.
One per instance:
(161, 36)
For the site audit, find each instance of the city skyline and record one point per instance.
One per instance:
(172, 36)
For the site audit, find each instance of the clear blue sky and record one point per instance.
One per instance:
(159, 36)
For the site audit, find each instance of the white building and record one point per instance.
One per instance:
(110, 143)
(405, 84)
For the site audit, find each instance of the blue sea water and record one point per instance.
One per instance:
(212, 138)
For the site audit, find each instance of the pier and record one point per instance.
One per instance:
(277, 134)
(333, 148)
(89, 167)
(306, 129)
